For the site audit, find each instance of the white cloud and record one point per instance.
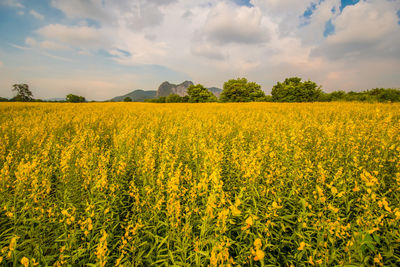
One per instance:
(30, 41)
(12, 3)
(364, 22)
(135, 14)
(80, 36)
(47, 45)
(212, 41)
(363, 31)
(278, 7)
(36, 14)
(21, 47)
(208, 51)
(285, 13)
(227, 23)
(53, 46)
(92, 9)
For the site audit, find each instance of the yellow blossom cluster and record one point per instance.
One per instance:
(208, 184)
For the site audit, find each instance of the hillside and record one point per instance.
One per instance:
(166, 88)
(216, 91)
(136, 96)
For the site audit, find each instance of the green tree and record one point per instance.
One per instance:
(199, 94)
(173, 98)
(75, 99)
(338, 95)
(240, 90)
(127, 99)
(294, 90)
(23, 93)
(2, 99)
(185, 99)
(389, 95)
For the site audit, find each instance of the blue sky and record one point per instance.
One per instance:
(104, 48)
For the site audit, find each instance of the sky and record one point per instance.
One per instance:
(104, 48)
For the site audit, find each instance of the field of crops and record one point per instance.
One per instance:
(252, 184)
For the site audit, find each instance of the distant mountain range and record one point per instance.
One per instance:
(215, 90)
(165, 89)
(137, 96)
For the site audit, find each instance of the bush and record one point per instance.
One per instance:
(173, 98)
(294, 90)
(240, 90)
(199, 94)
(75, 99)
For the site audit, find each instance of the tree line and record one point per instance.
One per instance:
(241, 90)
(290, 90)
(24, 94)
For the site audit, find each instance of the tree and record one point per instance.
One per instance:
(173, 98)
(294, 90)
(127, 99)
(23, 92)
(75, 99)
(199, 94)
(2, 99)
(240, 90)
(389, 95)
(185, 99)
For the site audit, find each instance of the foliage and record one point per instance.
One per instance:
(2, 99)
(294, 90)
(199, 94)
(75, 99)
(255, 184)
(127, 99)
(374, 95)
(240, 90)
(23, 93)
(161, 99)
(173, 98)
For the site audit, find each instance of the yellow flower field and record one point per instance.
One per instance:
(249, 184)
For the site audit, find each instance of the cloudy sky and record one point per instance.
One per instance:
(103, 48)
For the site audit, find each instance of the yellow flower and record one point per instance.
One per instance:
(334, 190)
(302, 245)
(259, 255)
(64, 212)
(235, 211)
(310, 260)
(25, 261)
(249, 221)
(397, 214)
(257, 243)
(378, 258)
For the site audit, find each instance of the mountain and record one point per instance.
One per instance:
(166, 88)
(136, 96)
(216, 91)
